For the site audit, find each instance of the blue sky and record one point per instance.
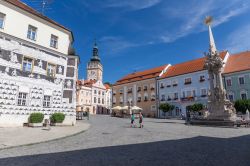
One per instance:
(134, 35)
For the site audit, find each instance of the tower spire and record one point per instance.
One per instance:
(212, 47)
(95, 56)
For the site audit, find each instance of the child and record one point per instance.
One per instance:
(140, 120)
(132, 120)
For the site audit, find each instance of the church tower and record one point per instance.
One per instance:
(94, 67)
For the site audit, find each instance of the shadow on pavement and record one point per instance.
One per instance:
(205, 151)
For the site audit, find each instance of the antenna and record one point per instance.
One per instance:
(42, 5)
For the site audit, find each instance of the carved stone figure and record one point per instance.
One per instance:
(13, 57)
(40, 63)
(7, 70)
(14, 73)
(60, 70)
(38, 76)
(31, 75)
(69, 84)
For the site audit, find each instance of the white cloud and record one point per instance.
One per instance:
(191, 17)
(132, 4)
(239, 40)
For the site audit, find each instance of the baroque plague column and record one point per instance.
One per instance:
(219, 107)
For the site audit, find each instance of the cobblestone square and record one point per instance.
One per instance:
(111, 141)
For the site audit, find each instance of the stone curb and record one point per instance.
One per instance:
(59, 138)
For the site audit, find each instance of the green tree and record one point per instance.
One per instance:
(197, 107)
(242, 106)
(165, 107)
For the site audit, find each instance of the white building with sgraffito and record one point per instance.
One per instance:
(38, 67)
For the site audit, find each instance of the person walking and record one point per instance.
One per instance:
(132, 120)
(140, 120)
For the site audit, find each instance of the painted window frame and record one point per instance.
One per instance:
(21, 100)
(25, 58)
(47, 101)
(231, 83)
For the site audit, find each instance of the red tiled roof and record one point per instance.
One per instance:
(27, 8)
(87, 83)
(188, 67)
(142, 75)
(238, 62)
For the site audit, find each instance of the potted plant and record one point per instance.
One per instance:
(57, 119)
(36, 119)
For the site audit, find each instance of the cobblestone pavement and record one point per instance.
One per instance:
(110, 141)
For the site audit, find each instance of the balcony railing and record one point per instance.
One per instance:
(139, 89)
(153, 99)
(190, 98)
(176, 98)
(169, 99)
(161, 86)
(202, 79)
(175, 84)
(203, 95)
(163, 99)
(145, 99)
(145, 89)
(152, 88)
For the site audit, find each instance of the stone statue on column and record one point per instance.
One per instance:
(219, 107)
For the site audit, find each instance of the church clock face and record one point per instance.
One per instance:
(92, 75)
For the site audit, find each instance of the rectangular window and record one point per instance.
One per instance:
(53, 41)
(175, 96)
(46, 101)
(163, 98)
(243, 96)
(188, 80)
(189, 93)
(203, 92)
(27, 64)
(231, 97)
(94, 99)
(102, 101)
(202, 78)
(241, 80)
(99, 100)
(22, 99)
(229, 82)
(31, 32)
(2, 18)
(51, 70)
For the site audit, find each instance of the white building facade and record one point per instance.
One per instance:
(38, 69)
